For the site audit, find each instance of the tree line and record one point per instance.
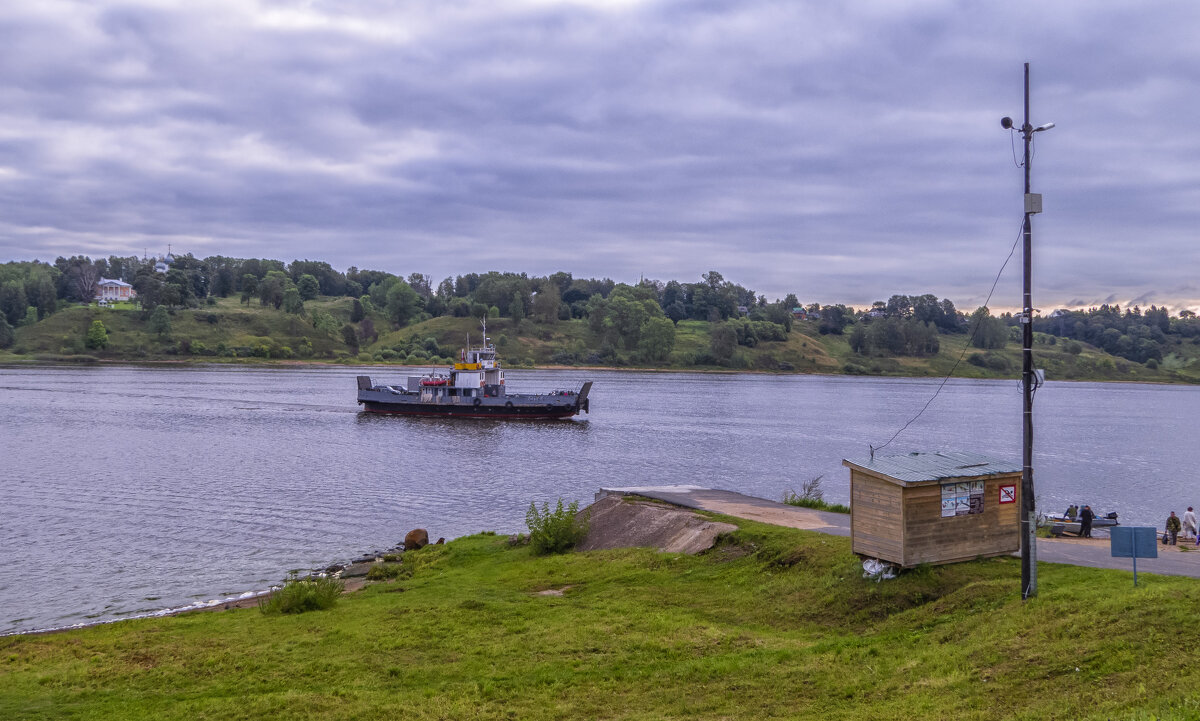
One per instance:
(635, 321)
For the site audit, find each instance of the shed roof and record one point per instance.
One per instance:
(919, 467)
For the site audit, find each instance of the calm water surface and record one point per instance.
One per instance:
(125, 490)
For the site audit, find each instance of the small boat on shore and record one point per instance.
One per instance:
(473, 388)
(1064, 524)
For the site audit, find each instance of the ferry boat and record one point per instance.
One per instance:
(473, 388)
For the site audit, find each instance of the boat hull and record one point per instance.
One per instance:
(468, 411)
(523, 406)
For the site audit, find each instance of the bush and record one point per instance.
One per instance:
(811, 495)
(555, 531)
(298, 595)
(97, 336)
(387, 572)
(993, 361)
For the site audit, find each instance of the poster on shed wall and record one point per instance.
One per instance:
(962, 499)
(949, 499)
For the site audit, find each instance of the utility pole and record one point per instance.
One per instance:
(1028, 520)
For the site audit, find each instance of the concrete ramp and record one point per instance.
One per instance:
(618, 522)
(738, 505)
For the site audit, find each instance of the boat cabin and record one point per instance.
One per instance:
(933, 507)
(477, 374)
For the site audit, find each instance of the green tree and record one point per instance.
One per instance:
(988, 332)
(12, 301)
(546, 303)
(97, 336)
(249, 287)
(516, 307)
(6, 333)
(325, 323)
(723, 342)
(356, 311)
(149, 287)
(43, 296)
(292, 302)
(160, 322)
(308, 287)
(403, 303)
(179, 289)
(350, 337)
(272, 288)
(658, 339)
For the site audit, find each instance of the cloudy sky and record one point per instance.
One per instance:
(841, 151)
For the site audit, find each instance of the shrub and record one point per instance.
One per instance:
(994, 361)
(555, 531)
(298, 595)
(387, 572)
(97, 336)
(811, 495)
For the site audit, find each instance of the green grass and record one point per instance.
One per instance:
(773, 622)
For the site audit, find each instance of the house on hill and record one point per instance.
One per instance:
(109, 290)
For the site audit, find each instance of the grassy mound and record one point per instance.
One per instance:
(771, 622)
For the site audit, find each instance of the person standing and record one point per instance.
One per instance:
(1189, 524)
(1085, 522)
(1173, 527)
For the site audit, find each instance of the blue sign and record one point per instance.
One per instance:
(1134, 541)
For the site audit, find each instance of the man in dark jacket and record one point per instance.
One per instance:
(1085, 522)
(1173, 526)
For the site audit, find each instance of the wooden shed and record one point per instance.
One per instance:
(933, 507)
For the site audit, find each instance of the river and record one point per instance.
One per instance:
(126, 490)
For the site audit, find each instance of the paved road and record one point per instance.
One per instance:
(1093, 553)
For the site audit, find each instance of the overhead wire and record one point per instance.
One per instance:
(966, 346)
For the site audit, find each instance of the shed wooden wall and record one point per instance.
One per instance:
(929, 538)
(904, 525)
(876, 517)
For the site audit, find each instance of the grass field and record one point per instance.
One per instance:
(772, 623)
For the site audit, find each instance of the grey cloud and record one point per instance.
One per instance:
(843, 153)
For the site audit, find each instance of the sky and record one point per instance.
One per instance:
(843, 152)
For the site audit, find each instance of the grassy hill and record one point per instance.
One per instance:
(227, 331)
(774, 622)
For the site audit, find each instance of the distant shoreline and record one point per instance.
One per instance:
(66, 362)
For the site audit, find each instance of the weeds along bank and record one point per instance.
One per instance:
(771, 622)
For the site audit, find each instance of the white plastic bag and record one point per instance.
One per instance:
(878, 570)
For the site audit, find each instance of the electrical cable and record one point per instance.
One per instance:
(966, 345)
(1012, 140)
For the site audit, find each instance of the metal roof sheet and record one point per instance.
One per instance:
(918, 467)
